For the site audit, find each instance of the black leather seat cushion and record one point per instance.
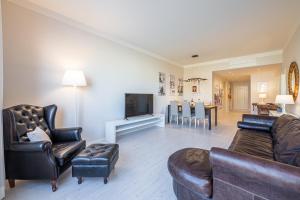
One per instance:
(97, 154)
(252, 142)
(64, 152)
(191, 167)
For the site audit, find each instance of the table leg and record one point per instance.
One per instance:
(209, 119)
(216, 116)
(168, 118)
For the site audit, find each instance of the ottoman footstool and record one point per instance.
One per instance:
(97, 160)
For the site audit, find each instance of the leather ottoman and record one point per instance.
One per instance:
(97, 160)
(192, 174)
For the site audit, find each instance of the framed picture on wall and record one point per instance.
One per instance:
(194, 89)
(262, 87)
(172, 85)
(180, 87)
(162, 84)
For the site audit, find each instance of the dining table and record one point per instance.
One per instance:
(208, 112)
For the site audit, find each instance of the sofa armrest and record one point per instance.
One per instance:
(253, 126)
(31, 146)
(67, 134)
(253, 175)
(259, 119)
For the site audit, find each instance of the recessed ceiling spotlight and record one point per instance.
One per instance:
(195, 56)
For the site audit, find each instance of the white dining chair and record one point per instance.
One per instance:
(199, 114)
(174, 111)
(186, 112)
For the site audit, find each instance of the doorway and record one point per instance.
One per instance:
(241, 96)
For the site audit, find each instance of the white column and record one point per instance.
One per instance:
(2, 174)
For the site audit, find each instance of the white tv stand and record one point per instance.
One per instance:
(121, 127)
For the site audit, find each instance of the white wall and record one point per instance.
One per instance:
(290, 54)
(205, 70)
(37, 51)
(271, 75)
(2, 174)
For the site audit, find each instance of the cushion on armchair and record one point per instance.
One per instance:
(38, 135)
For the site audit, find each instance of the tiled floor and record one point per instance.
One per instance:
(141, 172)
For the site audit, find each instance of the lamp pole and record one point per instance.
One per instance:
(75, 92)
(74, 78)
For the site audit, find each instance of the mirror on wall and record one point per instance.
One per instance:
(293, 80)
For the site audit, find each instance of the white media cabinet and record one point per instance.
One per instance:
(121, 127)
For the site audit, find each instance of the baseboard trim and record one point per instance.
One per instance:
(2, 192)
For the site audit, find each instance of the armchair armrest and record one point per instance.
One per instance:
(254, 175)
(67, 134)
(31, 146)
(254, 126)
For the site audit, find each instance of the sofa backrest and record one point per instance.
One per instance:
(286, 140)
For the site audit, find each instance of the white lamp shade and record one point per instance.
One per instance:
(262, 96)
(74, 78)
(284, 99)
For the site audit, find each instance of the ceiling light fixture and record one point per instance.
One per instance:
(195, 80)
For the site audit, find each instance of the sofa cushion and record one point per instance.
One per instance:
(280, 123)
(191, 167)
(65, 152)
(252, 142)
(287, 143)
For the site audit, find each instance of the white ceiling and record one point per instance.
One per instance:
(176, 29)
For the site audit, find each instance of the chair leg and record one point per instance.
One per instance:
(195, 123)
(190, 119)
(204, 123)
(105, 180)
(79, 180)
(54, 185)
(177, 119)
(12, 183)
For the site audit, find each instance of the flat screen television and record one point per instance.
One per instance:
(138, 104)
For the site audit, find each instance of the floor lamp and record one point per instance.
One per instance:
(74, 78)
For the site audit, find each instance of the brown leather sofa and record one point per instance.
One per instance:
(262, 162)
(27, 160)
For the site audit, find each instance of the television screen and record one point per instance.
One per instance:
(138, 104)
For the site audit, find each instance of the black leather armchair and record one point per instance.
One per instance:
(27, 160)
